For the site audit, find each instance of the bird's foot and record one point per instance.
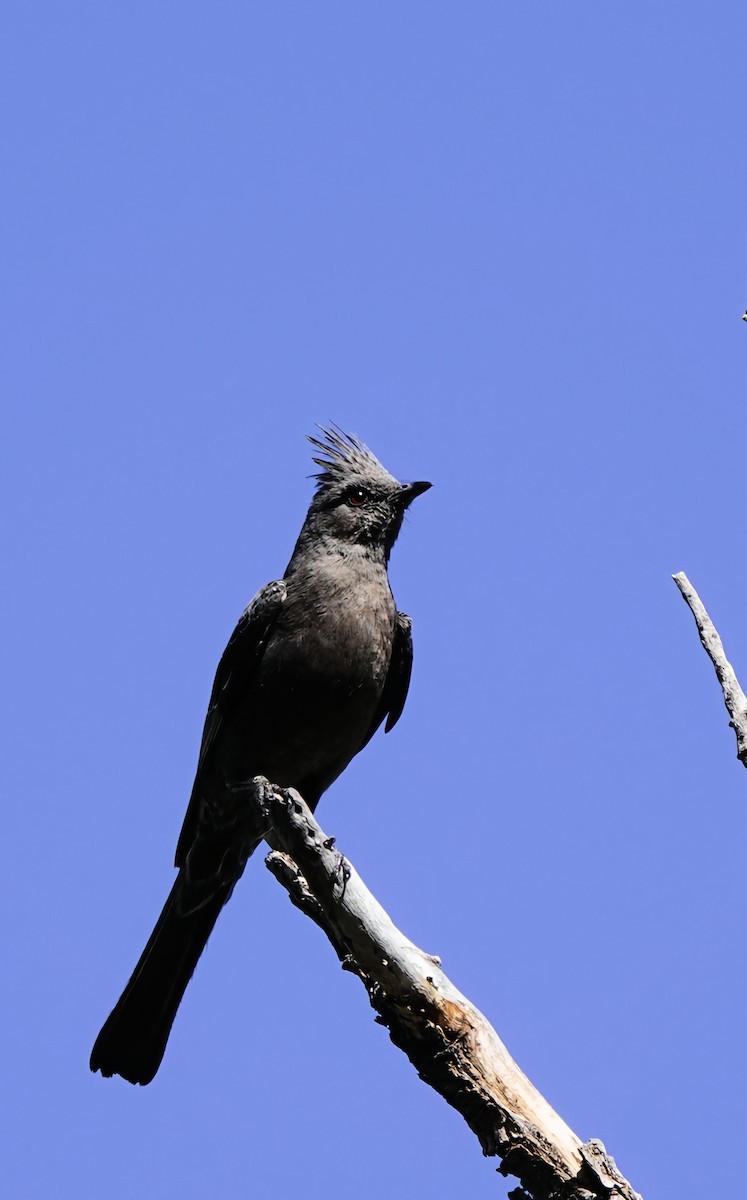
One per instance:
(341, 874)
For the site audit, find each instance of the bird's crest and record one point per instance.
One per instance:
(345, 455)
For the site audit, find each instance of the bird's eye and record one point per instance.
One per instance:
(357, 496)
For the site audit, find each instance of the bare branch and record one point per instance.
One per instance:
(452, 1045)
(734, 698)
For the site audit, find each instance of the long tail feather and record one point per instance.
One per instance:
(133, 1039)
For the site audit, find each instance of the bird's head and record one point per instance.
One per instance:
(357, 501)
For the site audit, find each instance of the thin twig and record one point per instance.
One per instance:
(734, 698)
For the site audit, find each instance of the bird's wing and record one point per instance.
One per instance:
(238, 663)
(398, 678)
(241, 658)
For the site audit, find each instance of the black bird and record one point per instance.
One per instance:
(316, 663)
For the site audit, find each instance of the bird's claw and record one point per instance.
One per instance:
(341, 873)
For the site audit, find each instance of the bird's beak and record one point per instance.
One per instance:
(411, 490)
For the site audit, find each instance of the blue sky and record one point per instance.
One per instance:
(505, 244)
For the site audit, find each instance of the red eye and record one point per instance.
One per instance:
(357, 496)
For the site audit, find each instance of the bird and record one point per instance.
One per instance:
(318, 661)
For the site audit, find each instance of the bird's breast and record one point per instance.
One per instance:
(338, 640)
(322, 673)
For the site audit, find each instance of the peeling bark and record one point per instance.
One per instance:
(453, 1047)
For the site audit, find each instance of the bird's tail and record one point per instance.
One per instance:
(133, 1039)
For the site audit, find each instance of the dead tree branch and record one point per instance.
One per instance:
(452, 1045)
(734, 698)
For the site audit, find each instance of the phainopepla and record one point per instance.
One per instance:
(317, 661)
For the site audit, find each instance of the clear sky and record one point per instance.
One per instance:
(505, 244)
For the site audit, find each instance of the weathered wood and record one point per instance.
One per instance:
(451, 1044)
(734, 698)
